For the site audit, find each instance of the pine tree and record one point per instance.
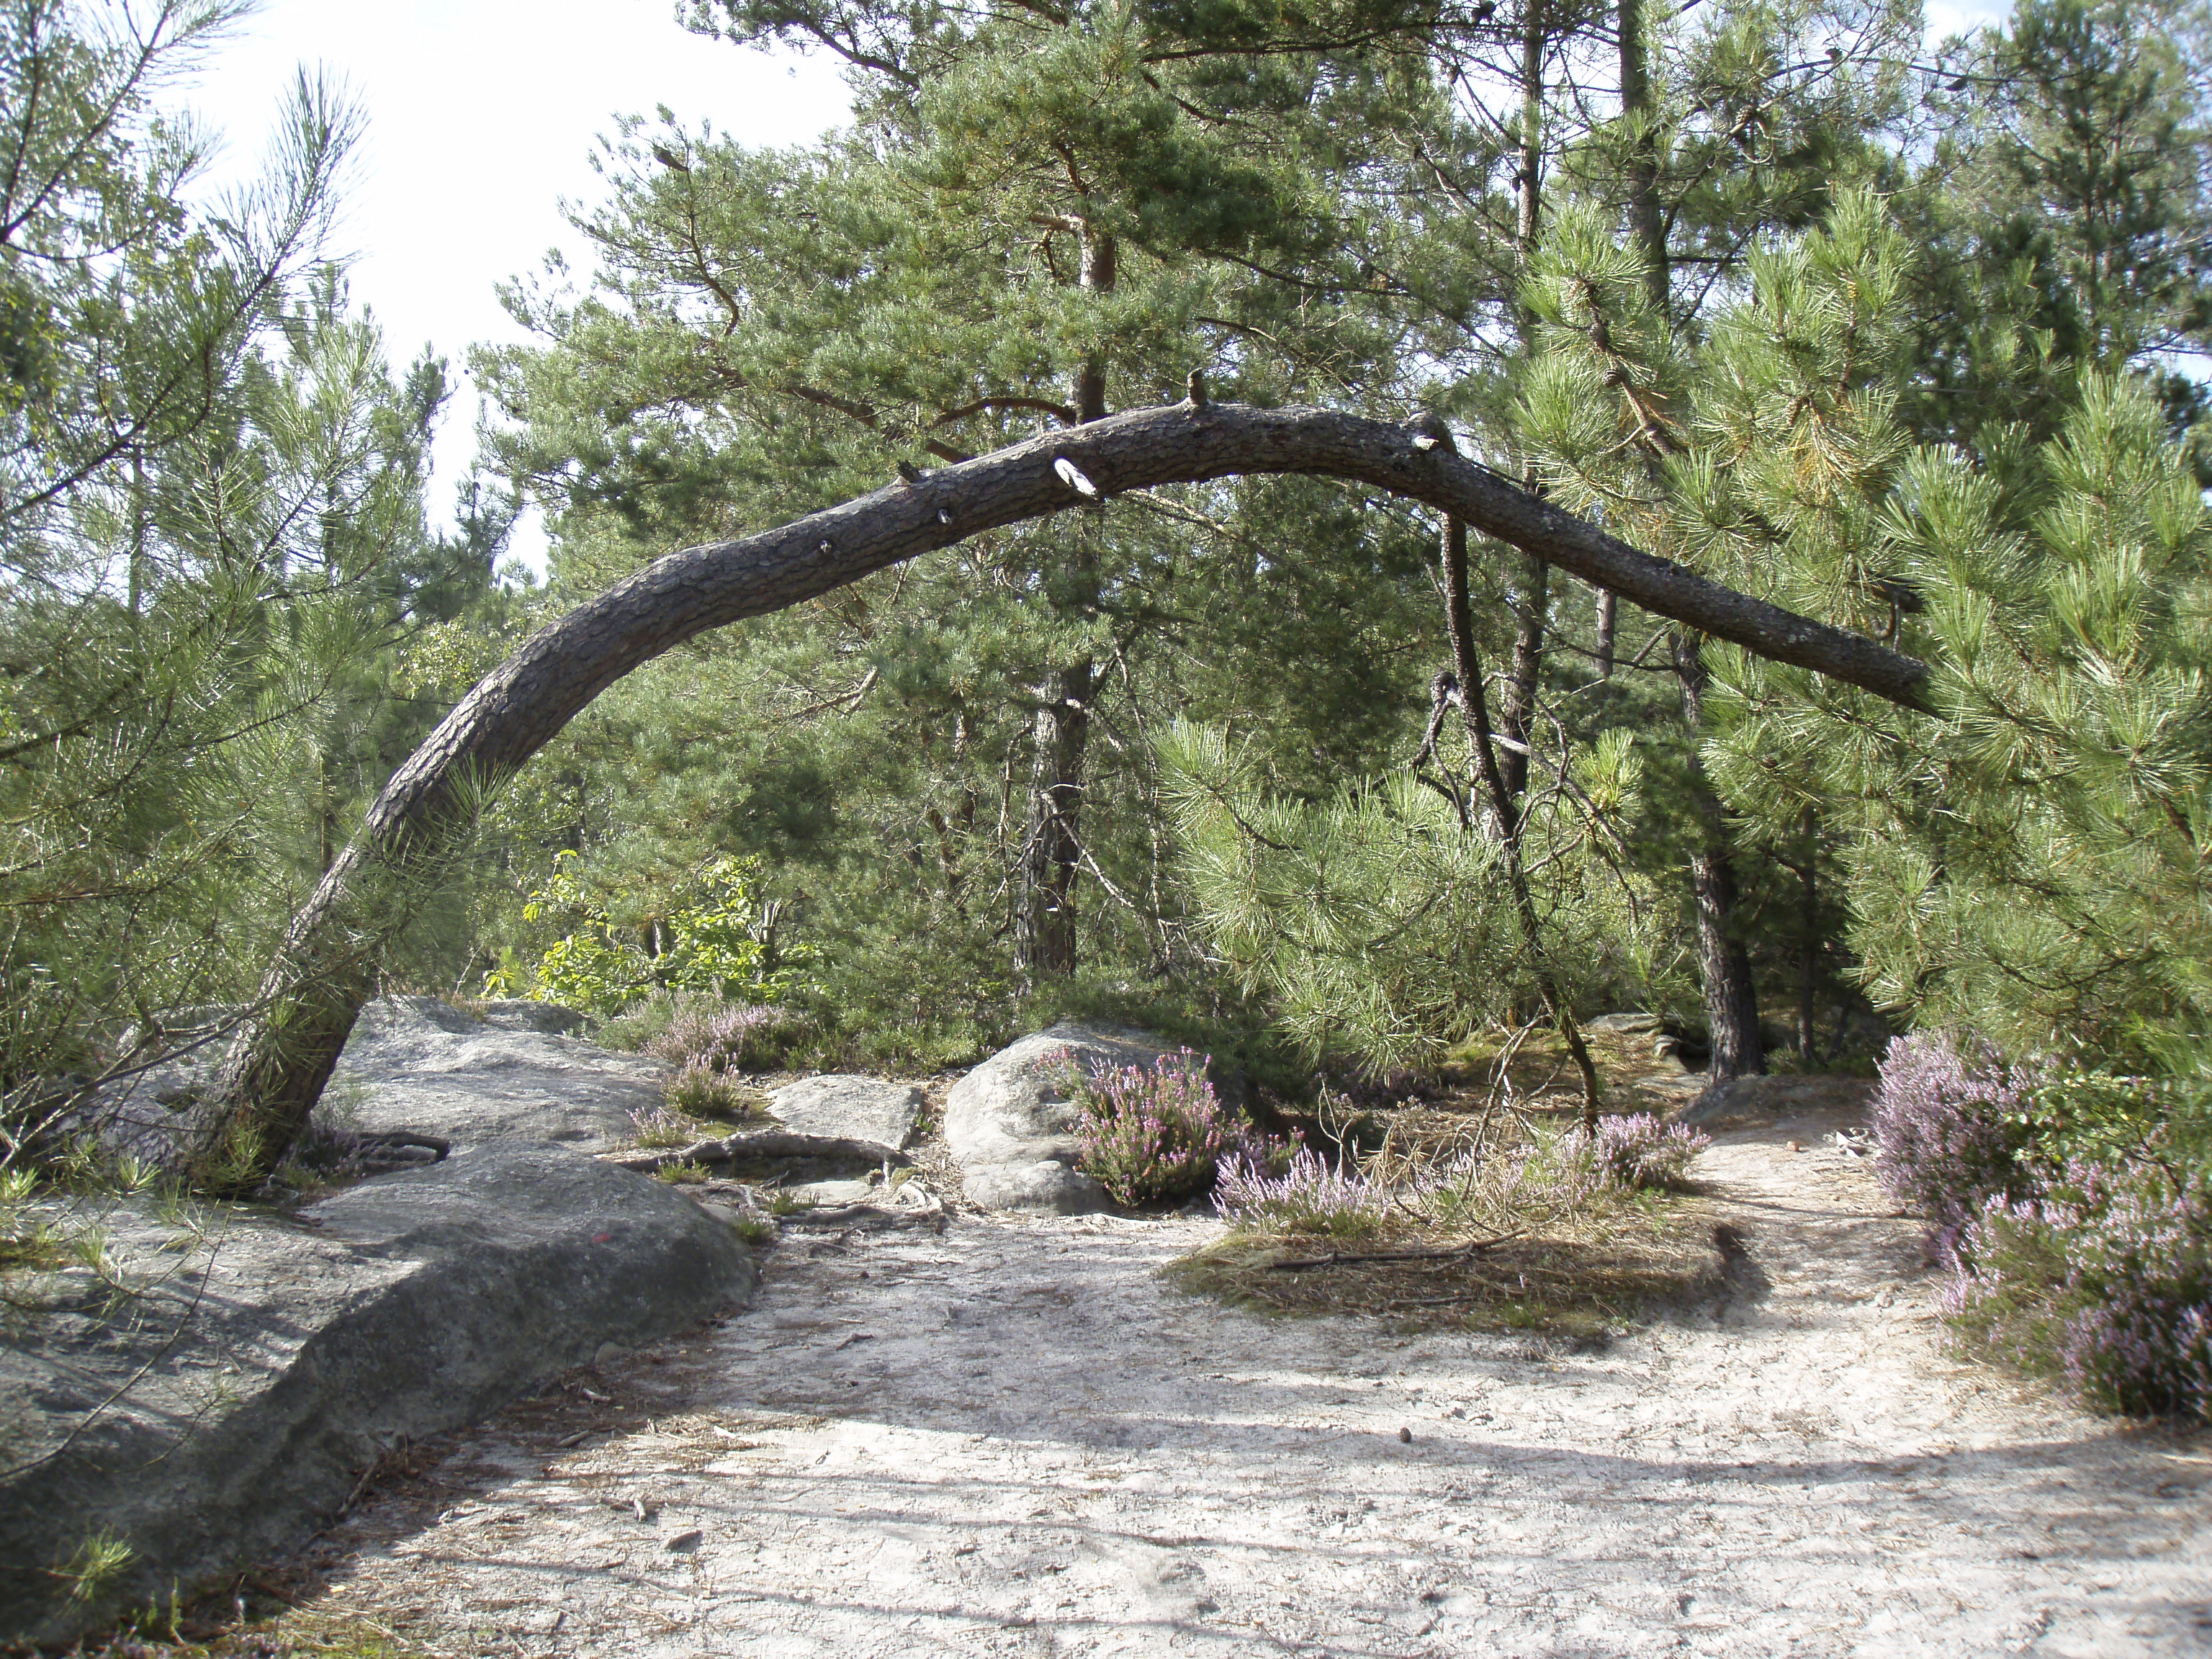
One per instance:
(210, 537)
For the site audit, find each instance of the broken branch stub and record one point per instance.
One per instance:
(325, 968)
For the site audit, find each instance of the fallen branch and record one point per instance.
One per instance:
(1454, 1253)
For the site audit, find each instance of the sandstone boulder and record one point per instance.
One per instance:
(1011, 1127)
(857, 1108)
(419, 1064)
(231, 1402)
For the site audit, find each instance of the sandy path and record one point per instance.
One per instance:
(1011, 1437)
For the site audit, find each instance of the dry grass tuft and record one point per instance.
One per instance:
(1578, 1279)
(1481, 1208)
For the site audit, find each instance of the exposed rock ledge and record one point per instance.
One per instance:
(226, 1409)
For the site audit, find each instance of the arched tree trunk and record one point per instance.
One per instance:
(325, 967)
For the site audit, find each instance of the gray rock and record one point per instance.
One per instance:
(419, 1065)
(778, 1152)
(849, 1108)
(521, 1014)
(1010, 1128)
(268, 1369)
(416, 1063)
(1762, 1099)
(1047, 1187)
(1632, 1024)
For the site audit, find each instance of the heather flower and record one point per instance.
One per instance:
(1950, 1126)
(701, 1090)
(1160, 1134)
(1311, 1195)
(661, 1126)
(1642, 1151)
(2105, 1279)
(728, 1036)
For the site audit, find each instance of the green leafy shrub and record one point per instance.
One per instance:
(718, 935)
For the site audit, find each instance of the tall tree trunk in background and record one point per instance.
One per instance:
(1052, 847)
(1724, 963)
(1530, 590)
(1808, 936)
(1646, 222)
(1731, 995)
(1100, 264)
(1531, 599)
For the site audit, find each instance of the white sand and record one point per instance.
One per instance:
(1011, 1437)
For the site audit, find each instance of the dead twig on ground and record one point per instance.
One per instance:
(1338, 1258)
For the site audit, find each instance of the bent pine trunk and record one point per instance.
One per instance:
(325, 967)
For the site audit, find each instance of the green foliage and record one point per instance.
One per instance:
(2124, 1120)
(2071, 162)
(1380, 922)
(211, 541)
(92, 1569)
(718, 935)
(2029, 863)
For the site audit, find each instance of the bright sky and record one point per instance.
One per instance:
(481, 117)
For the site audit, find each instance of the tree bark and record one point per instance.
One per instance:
(1053, 849)
(1516, 702)
(1044, 918)
(1531, 581)
(1808, 937)
(1647, 219)
(1724, 964)
(1723, 961)
(1646, 222)
(1505, 811)
(325, 967)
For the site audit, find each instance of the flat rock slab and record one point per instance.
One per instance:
(771, 1151)
(231, 1403)
(1011, 1127)
(421, 1065)
(849, 1108)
